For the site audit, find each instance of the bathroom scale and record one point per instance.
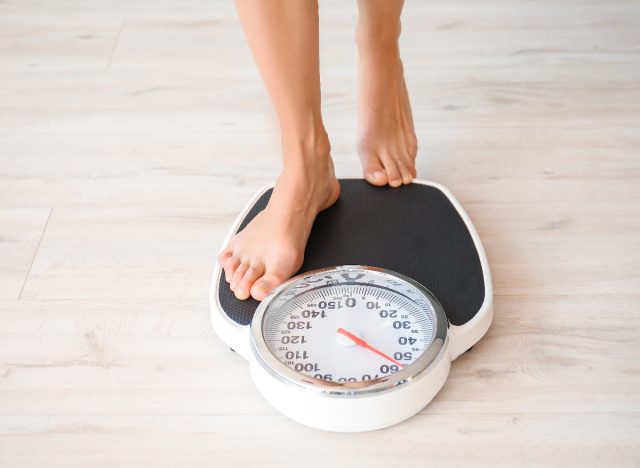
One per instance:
(395, 285)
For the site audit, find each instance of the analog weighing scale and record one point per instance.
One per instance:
(395, 285)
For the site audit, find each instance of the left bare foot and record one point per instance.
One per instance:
(387, 143)
(270, 249)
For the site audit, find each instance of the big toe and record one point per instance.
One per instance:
(373, 170)
(375, 174)
(263, 286)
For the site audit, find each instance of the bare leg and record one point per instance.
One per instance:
(283, 36)
(387, 143)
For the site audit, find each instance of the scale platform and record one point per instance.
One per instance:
(419, 230)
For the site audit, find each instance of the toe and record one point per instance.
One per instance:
(372, 169)
(230, 268)
(238, 274)
(412, 168)
(405, 172)
(375, 174)
(412, 146)
(410, 162)
(393, 172)
(224, 256)
(243, 288)
(263, 286)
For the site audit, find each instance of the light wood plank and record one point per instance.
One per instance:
(177, 103)
(186, 172)
(156, 253)
(129, 253)
(40, 44)
(541, 440)
(564, 354)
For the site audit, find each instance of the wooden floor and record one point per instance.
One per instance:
(132, 132)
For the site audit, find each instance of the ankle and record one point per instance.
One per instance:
(382, 37)
(307, 147)
(308, 164)
(304, 186)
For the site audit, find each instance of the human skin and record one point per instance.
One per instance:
(283, 37)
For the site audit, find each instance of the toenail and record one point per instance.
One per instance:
(377, 175)
(262, 286)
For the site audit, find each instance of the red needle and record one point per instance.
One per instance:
(364, 344)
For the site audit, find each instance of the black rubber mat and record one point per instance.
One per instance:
(413, 230)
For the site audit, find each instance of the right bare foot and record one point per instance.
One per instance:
(270, 249)
(387, 143)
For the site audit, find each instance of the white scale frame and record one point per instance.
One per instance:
(361, 413)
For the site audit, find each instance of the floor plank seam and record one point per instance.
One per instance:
(44, 229)
(115, 44)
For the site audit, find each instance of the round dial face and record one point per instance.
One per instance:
(349, 324)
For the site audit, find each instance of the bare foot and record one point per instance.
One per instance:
(271, 248)
(387, 143)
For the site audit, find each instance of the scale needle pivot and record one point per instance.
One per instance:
(364, 344)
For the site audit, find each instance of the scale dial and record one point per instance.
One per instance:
(349, 330)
